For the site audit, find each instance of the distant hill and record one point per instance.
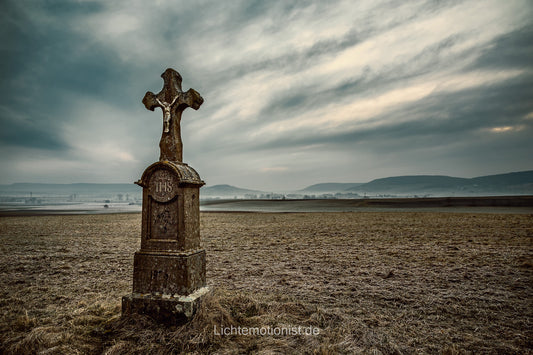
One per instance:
(410, 183)
(509, 179)
(511, 183)
(329, 187)
(226, 191)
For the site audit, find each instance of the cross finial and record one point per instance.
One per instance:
(172, 101)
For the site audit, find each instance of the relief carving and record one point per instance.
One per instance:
(164, 220)
(163, 185)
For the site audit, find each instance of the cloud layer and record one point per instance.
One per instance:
(295, 92)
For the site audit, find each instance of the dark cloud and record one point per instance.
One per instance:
(29, 134)
(511, 50)
(46, 66)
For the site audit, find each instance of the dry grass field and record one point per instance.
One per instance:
(390, 283)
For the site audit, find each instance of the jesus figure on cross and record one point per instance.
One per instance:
(172, 101)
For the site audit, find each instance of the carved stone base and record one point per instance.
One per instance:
(168, 273)
(166, 309)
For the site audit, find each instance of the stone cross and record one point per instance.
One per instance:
(169, 275)
(172, 101)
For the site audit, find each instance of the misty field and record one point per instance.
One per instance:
(393, 282)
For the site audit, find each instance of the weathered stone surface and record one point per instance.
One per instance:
(169, 269)
(171, 207)
(185, 173)
(168, 273)
(164, 308)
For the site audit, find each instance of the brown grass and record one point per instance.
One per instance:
(372, 282)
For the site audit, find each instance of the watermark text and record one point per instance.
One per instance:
(266, 331)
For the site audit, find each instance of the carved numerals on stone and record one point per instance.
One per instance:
(159, 278)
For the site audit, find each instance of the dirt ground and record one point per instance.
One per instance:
(389, 283)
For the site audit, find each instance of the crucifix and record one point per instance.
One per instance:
(169, 275)
(172, 101)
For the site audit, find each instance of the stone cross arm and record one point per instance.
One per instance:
(191, 98)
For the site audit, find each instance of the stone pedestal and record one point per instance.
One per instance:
(164, 308)
(169, 269)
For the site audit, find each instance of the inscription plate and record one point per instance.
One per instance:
(163, 185)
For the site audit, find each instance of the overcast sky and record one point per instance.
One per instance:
(296, 92)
